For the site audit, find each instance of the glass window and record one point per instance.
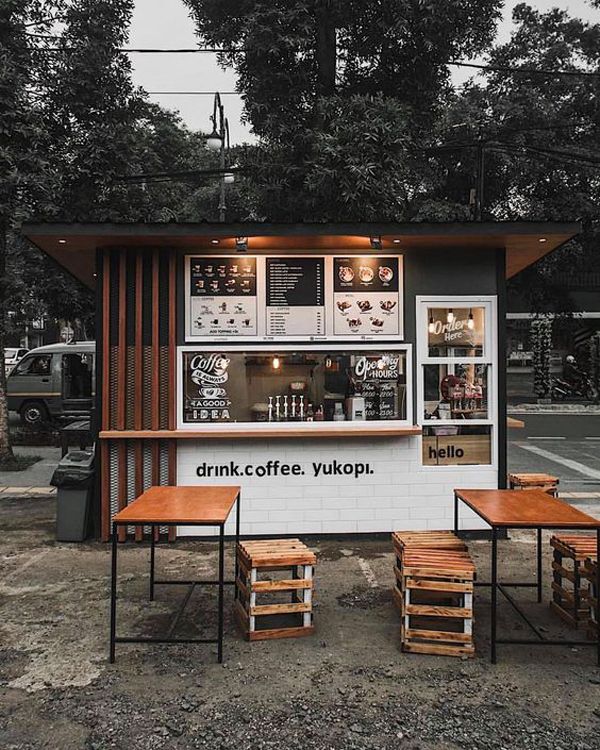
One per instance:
(36, 365)
(455, 391)
(455, 332)
(457, 445)
(294, 386)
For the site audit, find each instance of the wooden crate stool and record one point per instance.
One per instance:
(545, 482)
(441, 622)
(570, 589)
(591, 570)
(435, 540)
(269, 619)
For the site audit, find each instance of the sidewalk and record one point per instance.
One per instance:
(36, 479)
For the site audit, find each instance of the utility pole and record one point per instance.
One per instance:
(480, 176)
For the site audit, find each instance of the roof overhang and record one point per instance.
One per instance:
(74, 246)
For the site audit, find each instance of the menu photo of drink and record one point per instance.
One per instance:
(295, 297)
(366, 296)
(222, 297)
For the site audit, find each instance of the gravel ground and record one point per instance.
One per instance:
(346, 687)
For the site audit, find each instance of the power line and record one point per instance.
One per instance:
(527, 71)
(240, 50)
(192, 93)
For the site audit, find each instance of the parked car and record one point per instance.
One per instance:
(53, 382)
(13, 355)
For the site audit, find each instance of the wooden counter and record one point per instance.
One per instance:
(343, 430)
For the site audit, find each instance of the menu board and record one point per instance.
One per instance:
(295, 296)
(366, 296)
(303, 297)
(222, 296)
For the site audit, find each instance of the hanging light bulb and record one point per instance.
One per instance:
(470, 321)
(450, 316)
(276, 363)
(431, 327)
(328, 362)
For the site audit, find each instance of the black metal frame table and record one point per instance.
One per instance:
(208, 506)
(525, 509)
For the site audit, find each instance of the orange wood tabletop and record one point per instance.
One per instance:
(514, 508)
(202, 505)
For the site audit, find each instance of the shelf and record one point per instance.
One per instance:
(344, 430)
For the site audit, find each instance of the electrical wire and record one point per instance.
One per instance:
(240, 50)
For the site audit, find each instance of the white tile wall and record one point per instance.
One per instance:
(399, 494)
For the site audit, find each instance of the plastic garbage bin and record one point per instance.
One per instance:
(74, 478)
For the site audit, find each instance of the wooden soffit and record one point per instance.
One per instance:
(73, 246)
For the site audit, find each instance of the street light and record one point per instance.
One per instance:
(218, 140)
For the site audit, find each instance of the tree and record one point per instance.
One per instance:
(311, 73)
(22, 149)
(541, 344)
(540, 133)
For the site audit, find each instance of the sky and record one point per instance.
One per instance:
(166, 23)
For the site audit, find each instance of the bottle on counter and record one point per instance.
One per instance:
(310, 415)
(338, 413)
(319, 416)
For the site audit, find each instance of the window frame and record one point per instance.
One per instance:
(489, 358)
(226, 347)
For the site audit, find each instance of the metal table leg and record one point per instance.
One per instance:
(539, 565)
(494, 590)
(455, 513)
(598, 596)
(113, 594)
(221, 587)
(152, 554)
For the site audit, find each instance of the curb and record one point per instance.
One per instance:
(21, 492)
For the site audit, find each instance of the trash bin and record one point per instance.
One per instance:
(74, 478)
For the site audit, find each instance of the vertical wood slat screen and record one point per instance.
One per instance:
(138, 376)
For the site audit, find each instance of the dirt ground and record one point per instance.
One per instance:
(348, 686)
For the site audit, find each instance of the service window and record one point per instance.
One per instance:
(457, 394)
(293, 385)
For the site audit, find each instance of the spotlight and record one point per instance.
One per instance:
(396, 240)
(376, 243)
(470, 321)
(62, 242)
(276, 363)
(214, 242)
(241, 244)
(542, 239)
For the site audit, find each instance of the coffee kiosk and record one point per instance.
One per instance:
(347, 376)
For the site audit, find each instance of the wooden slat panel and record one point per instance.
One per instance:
(172, 479)
(121, 353)
(122, 474)
(155, 394)
(105, 417)
(138, 358)
(139, 480)
(104, 492)
(172, 385)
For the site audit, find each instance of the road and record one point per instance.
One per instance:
(567, 445)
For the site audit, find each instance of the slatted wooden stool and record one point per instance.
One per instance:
(591, 570)
(442, 621)
(269, 618)
(570, 588)
(435, 540)
(545, 482)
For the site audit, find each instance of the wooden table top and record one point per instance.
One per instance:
(202, 505)
(525, 508)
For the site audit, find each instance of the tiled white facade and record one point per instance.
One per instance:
(399, 494)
